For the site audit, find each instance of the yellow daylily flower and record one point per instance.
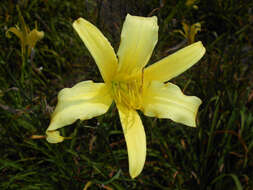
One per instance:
(28, 38)
(127, 82)
(190, 2)
(190, 31)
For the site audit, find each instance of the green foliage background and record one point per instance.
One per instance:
(215, 155)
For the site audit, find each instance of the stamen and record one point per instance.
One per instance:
(128, 93)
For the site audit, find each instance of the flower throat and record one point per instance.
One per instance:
(128, 93)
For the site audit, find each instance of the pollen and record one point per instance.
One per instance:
(128, 93)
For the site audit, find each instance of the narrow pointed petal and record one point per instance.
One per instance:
(17, 32)
(138, 38)
(167, 101)
(135, 139)
(195, 28)
(175, 64)
(99, 47)
(186, 28)
(83, 101)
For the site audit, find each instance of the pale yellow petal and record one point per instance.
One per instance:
(175, 64)
(99, 47)
(180, 32)
(34, 36)
(195, 28)
(54, 137)
(17, 32)
(135, 139)
(83, 101)
(138, 39)
(186, 29)
(167, 101)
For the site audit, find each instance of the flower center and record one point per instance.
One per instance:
(128, 93)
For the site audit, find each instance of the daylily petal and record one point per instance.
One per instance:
(167, 101)
(54, 137)
(83, 101)
(138, 39)
(186, 29)
(99, 47)
(15, 31)
(175, 64)
(35, 36)
(135, 139)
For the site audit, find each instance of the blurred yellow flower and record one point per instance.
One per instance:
(189, 31)
(129, 84)
(190, 2)
(28, 39)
